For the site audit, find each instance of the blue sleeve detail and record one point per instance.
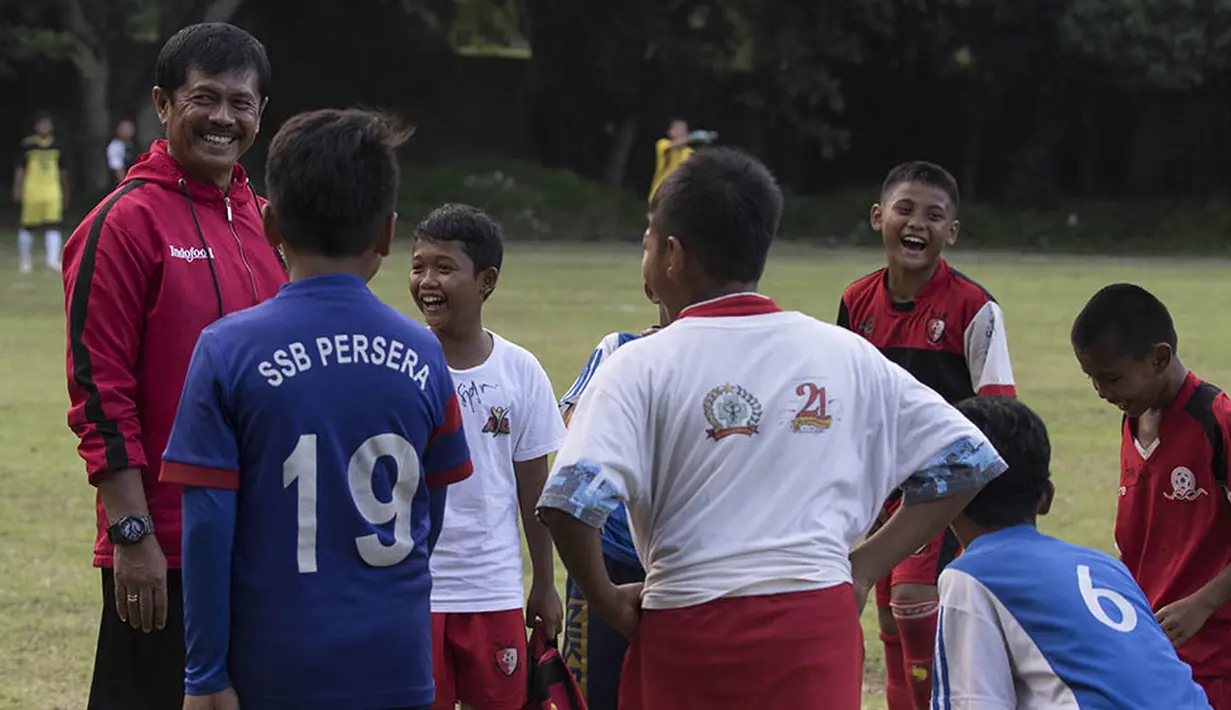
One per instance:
(208, 541)
(581, 491)
(583, 379)
(202, 434)
(436, 514)
(965, 465)
(445, 453)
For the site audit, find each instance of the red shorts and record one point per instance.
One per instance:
(748, 653)
(480, 659)
(1217, 690)
(923, 567)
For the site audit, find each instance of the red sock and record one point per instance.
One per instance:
(897, 695)
(917, 628)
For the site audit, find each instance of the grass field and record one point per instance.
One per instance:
(557, 301)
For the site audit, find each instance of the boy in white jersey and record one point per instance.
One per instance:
(752, 447)
(511, 422)
(1029, 622)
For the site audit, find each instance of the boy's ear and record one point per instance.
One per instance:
(1162, 357)
(1049, 495)
(487, 280)
(674, 257)
(269, 220)
(385, 242)
(951, 237)
(877, 217)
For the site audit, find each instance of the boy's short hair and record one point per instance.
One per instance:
(921, 171)
(211, 48)
(725, 206)
(481, 236)
(1020, 437)
(1124, 318)
(332, 177)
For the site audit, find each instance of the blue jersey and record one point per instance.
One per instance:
(1028, 621)
(308, 433)
(616, 537)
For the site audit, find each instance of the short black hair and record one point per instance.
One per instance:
(1123, 320)
(1020, 437)
(725, 205)
(921, 171)
(480, 236)
(211, 48)
(332, 178)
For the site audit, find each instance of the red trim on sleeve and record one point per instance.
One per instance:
(200, 476)
(458, 473)
(452, 422)
(997, 391)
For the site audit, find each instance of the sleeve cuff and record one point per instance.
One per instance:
(967, 465)
(998, 391)
(213, 683)
(539, 452)
(450, 476)
(200, 476)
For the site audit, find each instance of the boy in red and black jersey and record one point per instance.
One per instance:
(1173, 516)
(949, 333)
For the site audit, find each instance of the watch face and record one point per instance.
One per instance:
(132, 528)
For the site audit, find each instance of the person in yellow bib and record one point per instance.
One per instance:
(673, 150)
(40, 185)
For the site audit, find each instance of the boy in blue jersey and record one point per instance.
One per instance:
(592, 649)
(314, 438)
(1028, 621)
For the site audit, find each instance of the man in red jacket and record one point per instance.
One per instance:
(176, 246)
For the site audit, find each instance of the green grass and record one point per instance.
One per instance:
(557, 301)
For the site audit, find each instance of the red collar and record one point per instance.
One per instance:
(737, 304)
(1191, 382)
(933, 285)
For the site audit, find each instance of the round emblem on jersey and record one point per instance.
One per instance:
(1184, 485)
(506, 660)
(731, 409)
(936, 328)
(867, 325)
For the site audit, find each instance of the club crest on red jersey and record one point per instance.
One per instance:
(497, 421)
(731, 409)
(506, 660)
(936, 328)
(1184, 486)
(867, 325)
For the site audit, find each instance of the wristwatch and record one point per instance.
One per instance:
(130, 529)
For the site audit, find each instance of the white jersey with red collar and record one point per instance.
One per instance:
(753, 447)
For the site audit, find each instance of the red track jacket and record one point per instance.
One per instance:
(161, 258)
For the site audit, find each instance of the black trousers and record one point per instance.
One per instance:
(134, 670)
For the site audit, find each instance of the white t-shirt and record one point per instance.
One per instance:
(753, 448)
(509, 414)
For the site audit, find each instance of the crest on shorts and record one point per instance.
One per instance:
(731, 409)
(936, 328)
(497, 421)
(867, 325)
(506, 660)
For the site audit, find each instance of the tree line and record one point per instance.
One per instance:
(1024, 100)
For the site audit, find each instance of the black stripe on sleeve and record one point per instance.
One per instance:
(83, 373)
(844, 315)
(1200, 406)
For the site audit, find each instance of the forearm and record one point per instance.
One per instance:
(1217, 592)
(208, 541)
(538, 537)
(904, 533)
(581, 550)
(123, 493)
(436, 498)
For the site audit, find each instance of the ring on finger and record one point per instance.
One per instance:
(133, 598)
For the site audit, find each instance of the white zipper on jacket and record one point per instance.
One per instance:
(243, 255)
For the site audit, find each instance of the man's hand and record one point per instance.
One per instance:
(544, 606)
(622, 609)
(141, 586)
(1182, 619)
(225, 700)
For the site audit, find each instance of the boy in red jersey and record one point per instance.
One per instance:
(949, 333)
(1173, 516)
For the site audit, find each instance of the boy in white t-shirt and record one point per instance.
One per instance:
(512, 423)
(753, 448)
